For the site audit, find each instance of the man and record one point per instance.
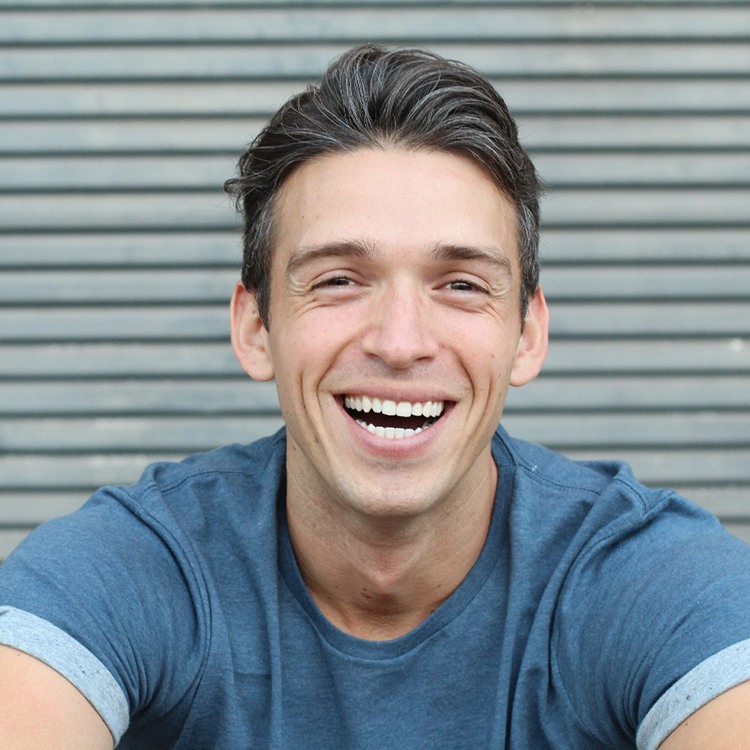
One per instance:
(392, 570)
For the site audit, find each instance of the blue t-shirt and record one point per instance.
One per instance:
(597, 611)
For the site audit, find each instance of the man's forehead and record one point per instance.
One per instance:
(335, 163)
(347, 203)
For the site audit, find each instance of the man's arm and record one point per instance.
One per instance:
(41, 710)
(722, 724)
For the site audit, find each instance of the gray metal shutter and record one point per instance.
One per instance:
(118, 251)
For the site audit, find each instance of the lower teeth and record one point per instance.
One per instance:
(391, 433)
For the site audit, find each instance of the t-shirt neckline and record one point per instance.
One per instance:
(446, 613)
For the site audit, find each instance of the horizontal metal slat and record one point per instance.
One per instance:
(137, 249)
(676, 169)
(131, 434)
(668, 468)
(261, 61)
(182, 4)
(102, 211)
(28, 509)
(152, 397)
(176, 98)
(634, 132)
(115, 324)
(96, 99)
(229, 135)
(220, 134)
(89, 360)
(651, 319)
(137, 287)
(79, 473)
(169, 172)
(571, 245)
(639, 93)
(661, 356)
(404, 23)
(726, 501)
(620, 431)
(582, 57)
(551, 394)
(658, 282)
(581, 206)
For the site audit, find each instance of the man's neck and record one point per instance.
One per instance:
(379, 579)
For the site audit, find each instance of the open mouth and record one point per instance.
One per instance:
(393, 419)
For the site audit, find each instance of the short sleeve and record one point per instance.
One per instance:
(647, 601)
(710, 678)
(115, 584)
(42, 640)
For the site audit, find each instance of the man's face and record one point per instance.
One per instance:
(395, 328)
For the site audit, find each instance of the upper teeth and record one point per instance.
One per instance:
(367, 404)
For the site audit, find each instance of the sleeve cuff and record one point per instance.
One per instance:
(43, 640)
(710, 678)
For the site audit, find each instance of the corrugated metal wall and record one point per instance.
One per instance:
(120, 121)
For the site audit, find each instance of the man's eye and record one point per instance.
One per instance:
(334, 281)
(460, 285)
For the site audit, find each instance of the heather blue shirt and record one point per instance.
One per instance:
(598, 609)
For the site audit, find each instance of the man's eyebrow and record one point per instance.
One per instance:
(344, 249)
(489, 255)
(365, 251)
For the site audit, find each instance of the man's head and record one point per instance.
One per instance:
(373, 98)
(385, 209)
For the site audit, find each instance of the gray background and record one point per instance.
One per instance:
(120, 121)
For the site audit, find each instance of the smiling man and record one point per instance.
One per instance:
(391, 570)
(395, 297)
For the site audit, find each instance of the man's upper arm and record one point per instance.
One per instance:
(41, 710)
(722, 724)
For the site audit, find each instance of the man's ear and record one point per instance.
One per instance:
(249, 335)
(532, 347)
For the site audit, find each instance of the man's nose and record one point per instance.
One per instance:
(401, 328)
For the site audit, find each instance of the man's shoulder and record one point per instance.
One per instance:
(542, 465)
(215, 487)
(258, 463)
(546, 481)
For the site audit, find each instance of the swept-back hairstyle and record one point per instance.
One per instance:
(375, 98)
